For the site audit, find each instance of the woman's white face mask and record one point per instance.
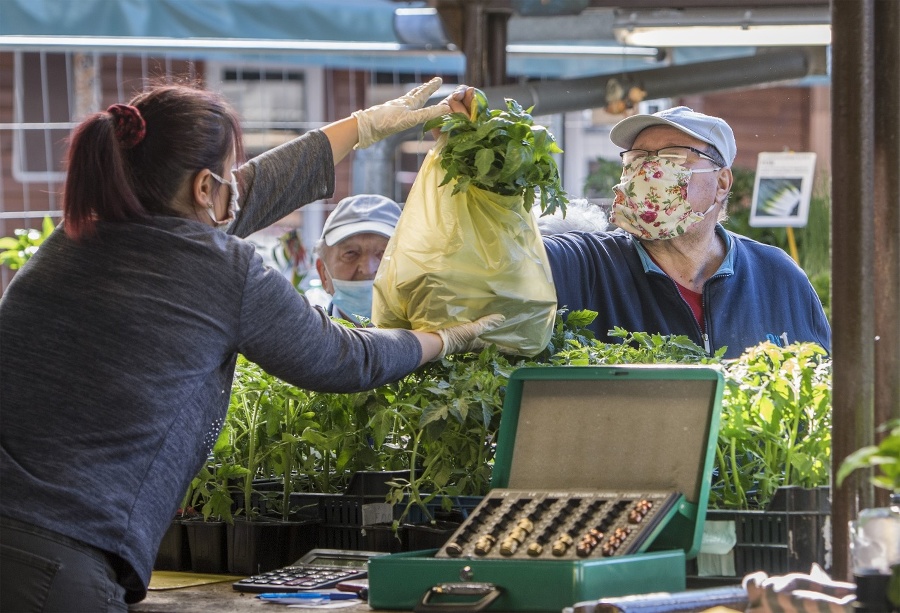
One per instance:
(233, 206)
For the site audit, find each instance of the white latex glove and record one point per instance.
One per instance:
(377, 122)
(463, 338)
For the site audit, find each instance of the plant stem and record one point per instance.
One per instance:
(739, 489)
(724, 475)
(251, 456)
(792, 438)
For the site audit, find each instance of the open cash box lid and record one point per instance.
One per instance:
(615, 428)
(632, 430)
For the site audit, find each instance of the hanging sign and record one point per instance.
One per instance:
(782, 189)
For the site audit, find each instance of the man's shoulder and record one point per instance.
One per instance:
(763, 256)
(756, 248)
(617, 238)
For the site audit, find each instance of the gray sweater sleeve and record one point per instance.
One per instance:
(282, 180)
(279, 329)
(289, 338)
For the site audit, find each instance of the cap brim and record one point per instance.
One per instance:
(333, 237)
(626, 131)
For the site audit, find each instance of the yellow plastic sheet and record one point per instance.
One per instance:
(173, 580)
(455, 258)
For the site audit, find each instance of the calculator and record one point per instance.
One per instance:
(317, 569)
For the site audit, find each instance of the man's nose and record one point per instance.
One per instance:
(368, 266)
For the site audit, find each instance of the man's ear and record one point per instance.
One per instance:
(327, 285)
(725, 181)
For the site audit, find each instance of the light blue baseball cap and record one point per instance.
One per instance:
(361, 213)
(711, 130)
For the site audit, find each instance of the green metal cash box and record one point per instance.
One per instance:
(599, 489)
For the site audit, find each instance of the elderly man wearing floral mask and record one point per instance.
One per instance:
(671, 267)
(349, 251)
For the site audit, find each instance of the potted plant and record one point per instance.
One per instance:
(265, 414)
(875, 533)
(210, 493)
(446, 416)
(884, 458)
(770, 495)
(174, 552)
(341, 469)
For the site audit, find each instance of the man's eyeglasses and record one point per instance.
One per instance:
(677, 155)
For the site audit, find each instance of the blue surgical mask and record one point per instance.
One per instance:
(353, 297)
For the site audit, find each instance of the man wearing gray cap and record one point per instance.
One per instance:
(672, 268)
(349, 251)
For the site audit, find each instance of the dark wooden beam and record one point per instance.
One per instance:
(886, 199)
(479, 29)
(653, 4)
(689, 4)
(852, 259)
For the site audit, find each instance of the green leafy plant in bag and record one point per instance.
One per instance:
(502, 152)
(467, 244)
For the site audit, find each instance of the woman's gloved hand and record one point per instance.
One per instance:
(382, 120)
(463, 338)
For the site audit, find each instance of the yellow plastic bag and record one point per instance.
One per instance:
(455, 258)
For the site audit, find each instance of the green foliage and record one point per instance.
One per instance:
(604, 175)
(309, 441)
(776, 424)
(210, 490)
(440, 422)
(885, 457)
(813, 242)
(502, 152)
(18, 249)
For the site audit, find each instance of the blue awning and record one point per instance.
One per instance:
(361, 33)
(332, 20)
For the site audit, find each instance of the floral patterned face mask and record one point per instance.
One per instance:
(651, 201)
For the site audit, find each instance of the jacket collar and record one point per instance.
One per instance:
(726, 268)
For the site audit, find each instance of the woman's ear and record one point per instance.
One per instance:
(202, 188)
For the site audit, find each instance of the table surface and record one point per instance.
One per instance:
(215, 598)
(223, 598)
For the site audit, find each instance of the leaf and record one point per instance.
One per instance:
(501, 152)
(484, 159)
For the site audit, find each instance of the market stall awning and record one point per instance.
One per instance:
(352, 34)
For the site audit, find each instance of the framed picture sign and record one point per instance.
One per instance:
(782, 189)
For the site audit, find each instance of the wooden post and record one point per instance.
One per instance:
(853, 105)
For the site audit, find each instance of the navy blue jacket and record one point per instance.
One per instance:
(758, 293)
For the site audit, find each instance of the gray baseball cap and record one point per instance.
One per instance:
(711, 130)
(361, 213)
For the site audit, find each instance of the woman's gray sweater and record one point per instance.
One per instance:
(117, 357)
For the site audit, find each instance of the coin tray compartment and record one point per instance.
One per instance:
(553, 525)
